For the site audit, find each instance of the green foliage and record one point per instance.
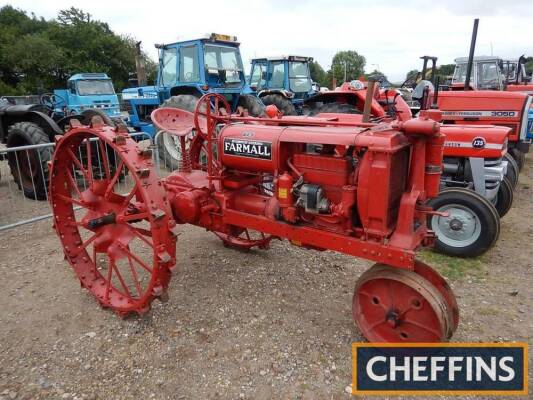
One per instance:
(37, 55)
(318, 74)
(349, 60)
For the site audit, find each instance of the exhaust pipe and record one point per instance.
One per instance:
(471, 54)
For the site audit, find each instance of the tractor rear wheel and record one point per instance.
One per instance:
(401, 306)
(504, 198)
(253, 104)
(512, 169)
(281, 102)
(471, 227)
(168, 145)
(336, 108)
(29, 167)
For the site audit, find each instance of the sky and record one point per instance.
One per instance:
(392, 35)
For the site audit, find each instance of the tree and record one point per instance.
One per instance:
(318, 74)
(38, 55)
(347, 61)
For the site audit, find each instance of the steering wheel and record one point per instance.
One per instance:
(49, 100)
(218, 106)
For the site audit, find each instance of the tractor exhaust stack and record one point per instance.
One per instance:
(471, 54)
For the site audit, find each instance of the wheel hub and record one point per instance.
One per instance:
(460, 228)
(456, 224)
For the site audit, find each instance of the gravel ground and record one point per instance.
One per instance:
(239, 325)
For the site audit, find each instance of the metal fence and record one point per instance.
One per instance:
(24, 198)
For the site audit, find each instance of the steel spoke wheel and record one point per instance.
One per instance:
(397, 305)
(114, 223)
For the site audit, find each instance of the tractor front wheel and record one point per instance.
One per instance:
(472, 224)
(519, 157)
(512, 170)
(504, 198)
(401, 306)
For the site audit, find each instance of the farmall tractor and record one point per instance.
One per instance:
(360, 190)
(474, 189)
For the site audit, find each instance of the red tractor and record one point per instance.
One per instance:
(360, 190)
(475, 188)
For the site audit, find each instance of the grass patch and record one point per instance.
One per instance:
(454, 267)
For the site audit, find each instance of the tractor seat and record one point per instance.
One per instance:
(173, 120)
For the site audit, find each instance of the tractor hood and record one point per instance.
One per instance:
(484, 141)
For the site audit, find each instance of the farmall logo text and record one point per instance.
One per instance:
(248, 148)
(478, 114)
(440, 368)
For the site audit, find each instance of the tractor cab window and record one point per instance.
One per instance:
(277, 75)
(488, 75)
(509, 70)
(299, 79)
(224, 61)
(189, 64)
(257, 78)
(95, 87)
(459, 75)
(169, 68)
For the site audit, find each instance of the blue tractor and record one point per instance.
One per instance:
(187, 71)
(85, 91)
(284, 81)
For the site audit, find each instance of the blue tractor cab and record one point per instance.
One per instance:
(284, 81)
(188, 70)
(85, 91)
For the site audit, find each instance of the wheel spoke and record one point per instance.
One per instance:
(128, 198)
(73, 183)
(139, 232)
(103, 153)
(135, 277)
(89, 160)
(111, 185)
(119, 276)
(85, 244)
(77, 163)
(73, 201)
(139, 261)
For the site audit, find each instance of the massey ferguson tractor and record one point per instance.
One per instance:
(475, 188)
(361, 191)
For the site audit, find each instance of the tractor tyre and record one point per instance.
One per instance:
(504, 198)
(89, 114)
(335, 108)
(168, 146)
(519, 157)
(253, 104)
(29, 167)
(282, 103)
(471, 227)
(512, 170)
